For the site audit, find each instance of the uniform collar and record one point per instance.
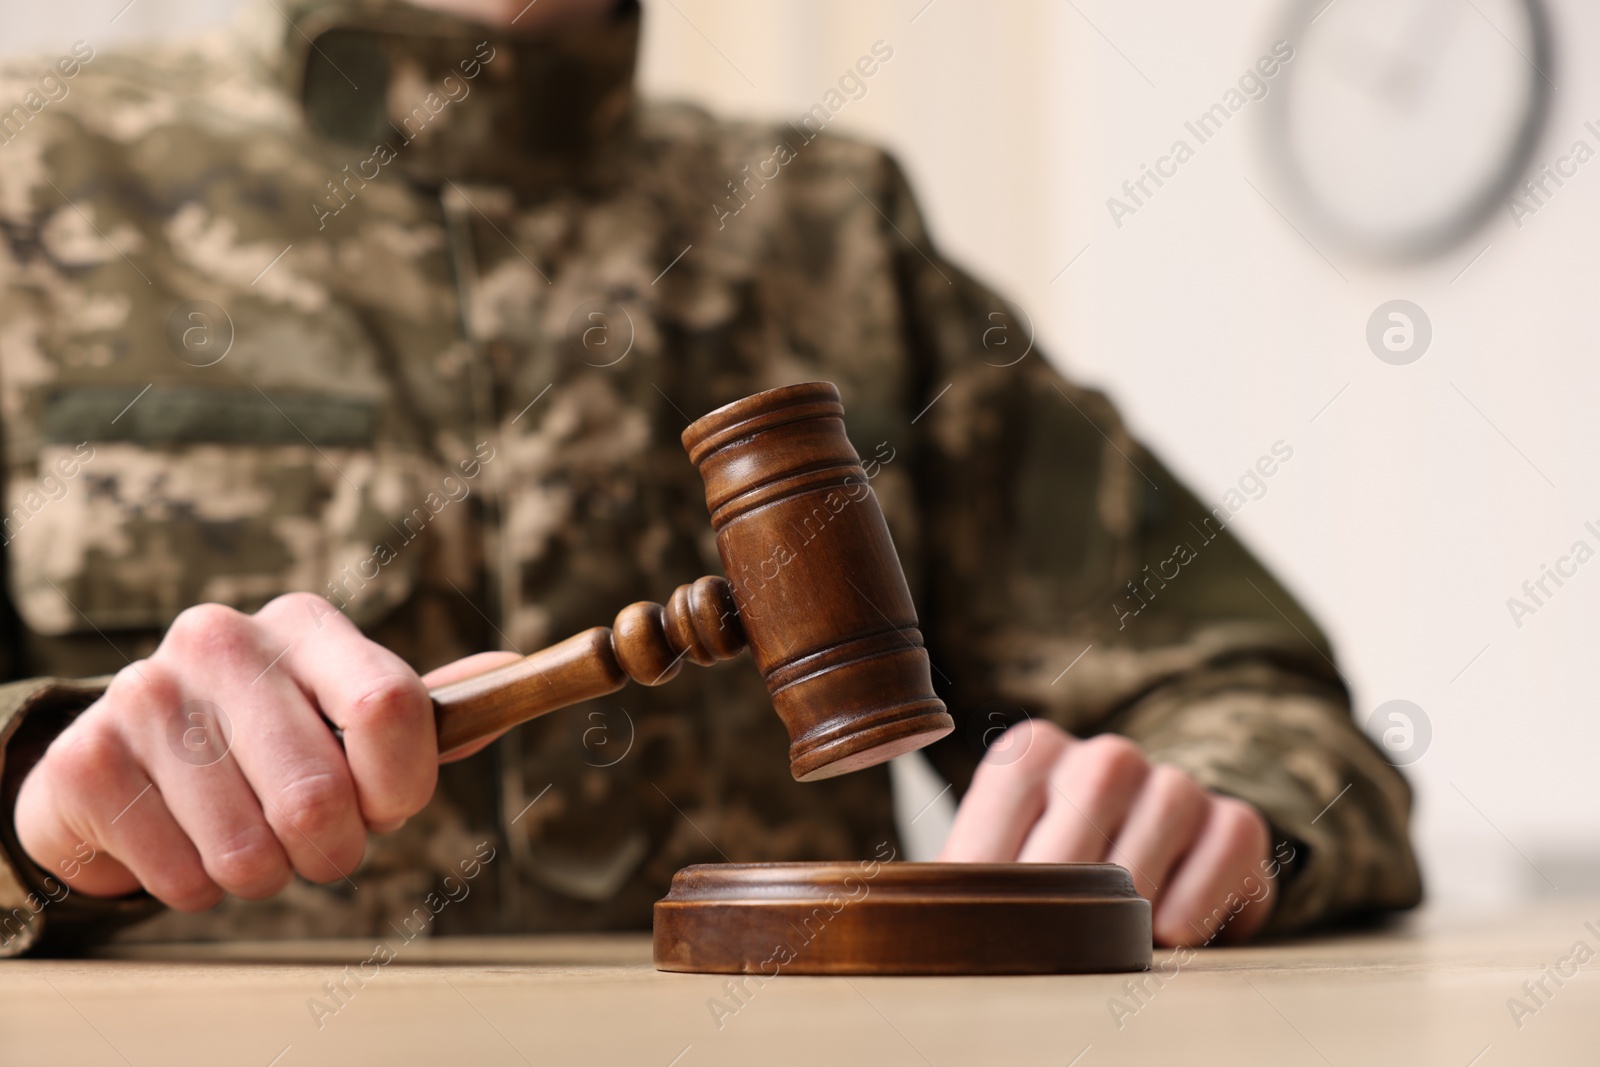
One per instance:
(449, 98)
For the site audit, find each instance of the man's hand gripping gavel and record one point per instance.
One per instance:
(829, 621)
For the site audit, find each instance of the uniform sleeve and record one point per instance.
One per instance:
(1063, 572)
(38, 913)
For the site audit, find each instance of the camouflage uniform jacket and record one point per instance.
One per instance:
(412, 317)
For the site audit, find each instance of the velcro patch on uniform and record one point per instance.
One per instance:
(165, 414)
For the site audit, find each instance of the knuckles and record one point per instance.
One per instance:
(188, 890)
(1242, 830)
(1022, 774)
(1042, 743)
(1103, 762)
(396, 709)
(392, 700)
(317, 804)
(301, 610)
(145, 686)
(145, 702)
(1174, 789)
(91, 752)
(211, 632)
(321, 809)
(85, 757)
(252, 866)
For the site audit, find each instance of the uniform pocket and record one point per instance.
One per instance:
(126, 532)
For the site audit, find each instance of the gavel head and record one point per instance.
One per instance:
(816, 581)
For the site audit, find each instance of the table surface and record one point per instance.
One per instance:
(1430, 989)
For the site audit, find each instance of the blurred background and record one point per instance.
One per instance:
(1243, 296)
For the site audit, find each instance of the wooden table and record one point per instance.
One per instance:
(1432, 989)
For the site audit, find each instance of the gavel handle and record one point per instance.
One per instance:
(647, 644)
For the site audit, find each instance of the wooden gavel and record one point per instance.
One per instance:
(816, 592)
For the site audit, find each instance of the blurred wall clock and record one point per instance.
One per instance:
(1402, 125)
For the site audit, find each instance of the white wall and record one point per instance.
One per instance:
(45, 27)
(1405, 519)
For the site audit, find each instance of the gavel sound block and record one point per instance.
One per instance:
(902, 918)
(815, 590)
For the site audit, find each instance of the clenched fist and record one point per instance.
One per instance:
(1044, 796)
(211, 767)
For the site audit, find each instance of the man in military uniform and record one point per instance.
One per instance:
(359, 354)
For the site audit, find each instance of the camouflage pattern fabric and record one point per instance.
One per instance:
(412, 317)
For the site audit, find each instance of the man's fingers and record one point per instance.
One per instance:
(135, 839)
(159, 853)
(305, 790)
(198, 785)
(1197, 857)
(1007, 795)
(380, 704)
(220, 749)
(51, 835)
(1166, 819)
(282, 745)
(1218, 888)
(466, 668)
(1091, 790)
